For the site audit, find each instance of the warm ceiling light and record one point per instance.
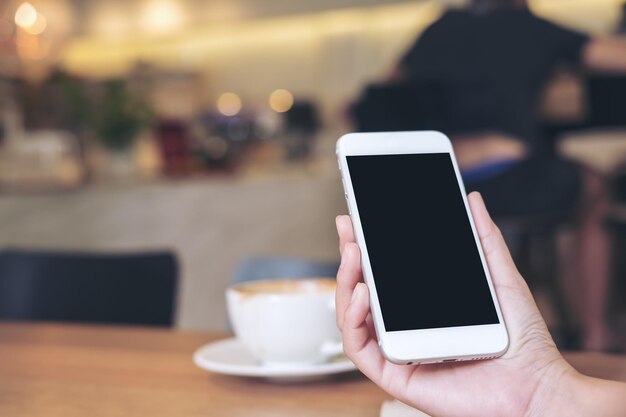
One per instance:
(38, 27)
(25, 15)
(229, 104)
(281, 100)
(162, 16)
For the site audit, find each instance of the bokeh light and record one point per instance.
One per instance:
(162, 16)
(25, 15)
(38, 27)
(229, 104)
(281, 100)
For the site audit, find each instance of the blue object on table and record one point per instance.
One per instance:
(137, 288)
(259, 268)
(488, 170)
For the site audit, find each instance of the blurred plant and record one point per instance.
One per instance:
(71, 101)
(64, 101)
(119, 117)
(60, 101)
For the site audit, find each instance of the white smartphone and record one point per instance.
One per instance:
(432, 298)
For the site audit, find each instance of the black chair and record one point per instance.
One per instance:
(462, 107)
(87, 287)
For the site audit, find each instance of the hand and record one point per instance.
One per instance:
(519, 383)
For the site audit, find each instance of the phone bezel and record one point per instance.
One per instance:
(424, 345)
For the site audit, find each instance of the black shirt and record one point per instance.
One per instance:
(511, 51)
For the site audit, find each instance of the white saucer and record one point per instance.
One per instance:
(229, 357)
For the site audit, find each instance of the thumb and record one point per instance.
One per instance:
(516, 301)
(499, 260)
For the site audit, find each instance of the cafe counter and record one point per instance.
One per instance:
(212, 224)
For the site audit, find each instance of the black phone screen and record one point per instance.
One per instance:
(423, 255)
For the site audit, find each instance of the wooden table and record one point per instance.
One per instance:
(604, 151)
(68, 370)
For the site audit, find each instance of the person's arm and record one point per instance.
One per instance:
(397, 74)
(530, 379)
(480, 149)
(596, 53)
(579, 395)
(605, 54)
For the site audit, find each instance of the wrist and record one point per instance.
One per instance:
(566, 392)
(556, 391)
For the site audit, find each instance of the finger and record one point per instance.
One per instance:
(345, 231)
(348, 276)
(501, 265)
(358, 343)
(369, 321)
(516, 301)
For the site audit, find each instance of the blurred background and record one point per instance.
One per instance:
(207, 129)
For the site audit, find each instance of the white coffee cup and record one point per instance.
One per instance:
(286, 322)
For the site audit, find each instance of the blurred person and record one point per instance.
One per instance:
(530, 379)
(501, 44)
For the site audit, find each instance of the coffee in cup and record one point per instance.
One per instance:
(286, 322)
